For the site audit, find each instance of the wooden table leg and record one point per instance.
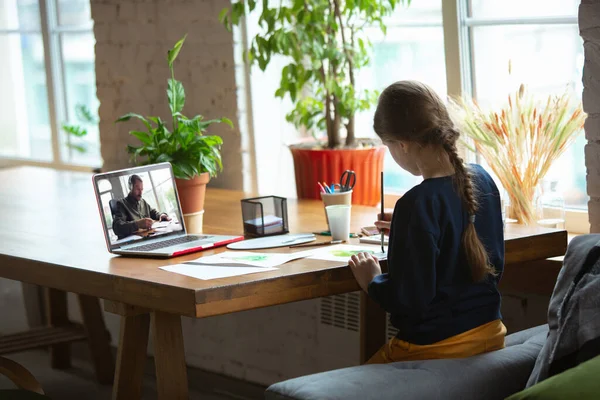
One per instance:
(131, 357)
(58, 315)
(169, 356)
(98, 338)
(372, 327)
(33, 299)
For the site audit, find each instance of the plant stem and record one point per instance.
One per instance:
(350, 139)
(174, 96)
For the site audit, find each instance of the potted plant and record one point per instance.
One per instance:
(520, 141)
(323, 41)
(194, 156)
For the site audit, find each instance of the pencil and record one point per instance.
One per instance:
(382, 208)
(316, 244)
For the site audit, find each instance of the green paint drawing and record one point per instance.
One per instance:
(249, 258)
(349, 253)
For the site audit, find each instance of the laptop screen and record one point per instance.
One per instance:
(138, 204)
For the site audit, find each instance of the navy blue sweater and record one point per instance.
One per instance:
(428, 289)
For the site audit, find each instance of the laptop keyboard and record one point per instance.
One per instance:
(167, 243)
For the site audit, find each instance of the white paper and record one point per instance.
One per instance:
(343, 252)
(268, 220)
(207, 272)
(160, 224)
(127, 239)
(255, 259)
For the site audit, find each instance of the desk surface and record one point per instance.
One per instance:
(51, 235)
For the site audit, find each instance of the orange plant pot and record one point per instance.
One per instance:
(192, 192)
(325, 165)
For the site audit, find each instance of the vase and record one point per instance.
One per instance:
(524, 205)
(551, 206)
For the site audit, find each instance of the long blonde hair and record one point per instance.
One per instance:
(411, 111)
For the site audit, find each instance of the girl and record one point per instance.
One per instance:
(446, 251)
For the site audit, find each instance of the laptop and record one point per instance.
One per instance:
(141, 214)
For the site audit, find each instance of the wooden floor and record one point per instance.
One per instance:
(78, 382)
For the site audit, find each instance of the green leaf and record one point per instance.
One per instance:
(174, 52)
(227, 121)
(74, 130)
(176, 96)
(128, 116)
(186, 170)
(143, 137)
(80, 148)
(164, 158)
(84, 114)
(223, 15)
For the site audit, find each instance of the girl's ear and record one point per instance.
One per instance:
(404, 146)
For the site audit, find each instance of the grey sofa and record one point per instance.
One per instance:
(489, 376)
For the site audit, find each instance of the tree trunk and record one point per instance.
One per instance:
(337, 122)
(328, 119)
(350, 137)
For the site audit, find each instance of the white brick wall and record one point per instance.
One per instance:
(589, 26)
(132, 39)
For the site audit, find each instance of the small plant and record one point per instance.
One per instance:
(521, 140)
(79, 132)
(185, 146)
(325, 44)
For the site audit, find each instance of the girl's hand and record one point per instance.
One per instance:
(384, 222)
(365, 267)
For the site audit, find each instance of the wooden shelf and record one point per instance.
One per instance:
(42, 337)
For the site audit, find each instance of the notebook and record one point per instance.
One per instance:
(147, 196)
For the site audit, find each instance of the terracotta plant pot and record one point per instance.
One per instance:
(191, 193)
(325, 165)
(191, 196)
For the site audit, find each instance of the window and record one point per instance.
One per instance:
(106, 195)
(49, 74)
(412, 49)
(541, 39)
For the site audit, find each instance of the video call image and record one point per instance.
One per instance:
(138, 206)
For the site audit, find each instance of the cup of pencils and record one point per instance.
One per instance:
(333, 195)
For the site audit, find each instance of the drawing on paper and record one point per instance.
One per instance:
(349, 253)
(254, 258)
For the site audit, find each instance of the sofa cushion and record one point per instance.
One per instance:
(524, 335)
(493, 375)
(580, 382)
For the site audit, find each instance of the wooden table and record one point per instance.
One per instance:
(51, 236)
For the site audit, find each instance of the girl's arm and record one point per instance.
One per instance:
(410, 287)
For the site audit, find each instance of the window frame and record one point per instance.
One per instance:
(52, 32)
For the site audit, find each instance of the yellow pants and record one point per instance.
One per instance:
(484, 338)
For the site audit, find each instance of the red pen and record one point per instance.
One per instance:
(321, 188)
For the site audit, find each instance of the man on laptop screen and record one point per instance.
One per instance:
(133, 213)
(141, 214)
